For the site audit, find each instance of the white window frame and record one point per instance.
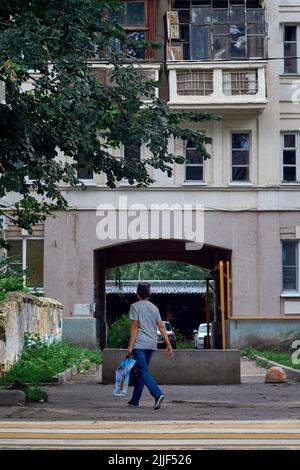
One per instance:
(242, 182)
(193, 182)
(291, 291)
(24, 258)
(283, 25)
(297, 141)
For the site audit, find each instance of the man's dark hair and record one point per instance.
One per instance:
(143, 290)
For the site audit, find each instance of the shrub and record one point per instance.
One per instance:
(36, 394)
(10, 279)
(119, 333)
(40, 361)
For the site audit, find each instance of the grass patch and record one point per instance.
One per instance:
(282, 357)
(40, 361)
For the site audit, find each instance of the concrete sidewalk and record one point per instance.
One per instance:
(85, 398)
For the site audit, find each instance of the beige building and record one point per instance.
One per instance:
(241, 60)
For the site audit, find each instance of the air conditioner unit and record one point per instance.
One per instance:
(3, 222)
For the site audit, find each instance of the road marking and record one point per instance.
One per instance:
(150, 435)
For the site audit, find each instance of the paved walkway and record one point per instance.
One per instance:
(85, 398)
(151, 435)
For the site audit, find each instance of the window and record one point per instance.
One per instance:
(194, 163)
(289, 157)
(194, 83)
(199, 30)
(132, 152)
(29, 255)
(290, 265)
(240, 147)
(240, 82)
(138, 21)
(290, 49)
(84, 171)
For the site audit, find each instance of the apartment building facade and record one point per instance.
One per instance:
(239, 59)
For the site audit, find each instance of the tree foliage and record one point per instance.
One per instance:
(67, 110)
(157, 270)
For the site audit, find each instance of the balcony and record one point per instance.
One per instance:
(216, 30)
(218, 86)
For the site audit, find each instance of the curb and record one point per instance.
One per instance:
(12, 398)
(66, 375)
(292, 374)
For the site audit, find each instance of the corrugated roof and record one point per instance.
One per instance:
(158, 287)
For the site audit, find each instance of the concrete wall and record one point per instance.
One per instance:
(24, 313)
(263, 334)
(80, 331)
(188, 366)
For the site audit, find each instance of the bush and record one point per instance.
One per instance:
(10, 279)
(40, 361)
(119, 333)
(36, 394)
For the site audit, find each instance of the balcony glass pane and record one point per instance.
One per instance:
(289, 157)
(220, 16)
(201, 15)
(256, 46)
(256, 15)
(238, 40)
(220, 29)
(135, 14)
(200, 42)
(221, 47)
(237, 13)
(184, 16)
(256, 28)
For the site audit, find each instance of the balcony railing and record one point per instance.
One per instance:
(230, 85)
(197, 32)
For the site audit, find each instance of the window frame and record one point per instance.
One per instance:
(284, 290)
(297, 165)
(23, 263)
(193, 165)
(297, 25)
(249, 180)
(149, 27)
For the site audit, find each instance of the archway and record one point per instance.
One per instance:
(145, 250)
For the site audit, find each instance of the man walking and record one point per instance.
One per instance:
(145, 319)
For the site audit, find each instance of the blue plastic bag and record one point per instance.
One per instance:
(122, 377)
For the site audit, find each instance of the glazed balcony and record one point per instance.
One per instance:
(211, 30)
(218, 86)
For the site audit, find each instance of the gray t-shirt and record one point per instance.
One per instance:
(147, 315)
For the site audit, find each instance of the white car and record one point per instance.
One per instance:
(199, 335)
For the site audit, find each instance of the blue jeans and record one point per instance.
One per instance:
(142, 357)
